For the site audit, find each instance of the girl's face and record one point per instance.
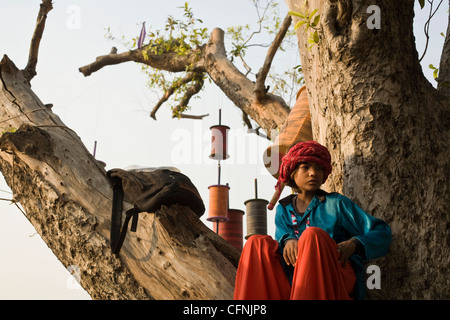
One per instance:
(308, 176)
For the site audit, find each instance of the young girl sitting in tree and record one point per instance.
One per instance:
(322, 239)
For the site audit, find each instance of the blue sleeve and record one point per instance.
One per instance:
(374, 234)
(283, 225)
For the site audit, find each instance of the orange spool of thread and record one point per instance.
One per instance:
(218, 203)
(232, 230)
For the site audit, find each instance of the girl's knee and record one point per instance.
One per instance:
(257, 239)
(262, 242)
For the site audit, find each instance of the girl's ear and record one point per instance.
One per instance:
(292, 183)
(292, 176)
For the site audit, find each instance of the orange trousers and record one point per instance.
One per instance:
(317, 274)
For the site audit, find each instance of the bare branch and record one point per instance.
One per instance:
(170, 91)
(30, 69)
(262, 74)
(246, 120)
(102, 61)
(426, 27)
(256, 131)
(193, 90)
(188, 116)
(246, 66)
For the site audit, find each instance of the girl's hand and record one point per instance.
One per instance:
(346, 249)
(290, 252)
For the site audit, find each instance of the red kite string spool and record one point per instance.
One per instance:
(219, 142)
(232, 230)
(218, 203)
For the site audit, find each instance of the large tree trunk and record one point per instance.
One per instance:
(386, 127)
(67, 198)
(387, 130)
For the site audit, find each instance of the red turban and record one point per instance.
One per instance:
(309, 151)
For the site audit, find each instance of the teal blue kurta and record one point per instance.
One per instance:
(342, 219)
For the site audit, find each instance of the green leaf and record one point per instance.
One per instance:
(316, 21)
(316, 37)
(299, 24)
(313, 13)
(422, 3)
(298, 68)
(297, 14)
(435, 72)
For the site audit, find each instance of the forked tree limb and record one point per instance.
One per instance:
(170, 91)
(260, 89)
(190, 92)
(30, 69)
(269, 112)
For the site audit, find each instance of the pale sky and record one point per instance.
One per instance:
(112, 107)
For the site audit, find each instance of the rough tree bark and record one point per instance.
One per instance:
(388, 131)
(386, 127)
(444, 65)
(67, 198)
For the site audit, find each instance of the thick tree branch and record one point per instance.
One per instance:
(260, 90)
(168, 61)
(270, 112)
(30, 69)
(106, 60)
